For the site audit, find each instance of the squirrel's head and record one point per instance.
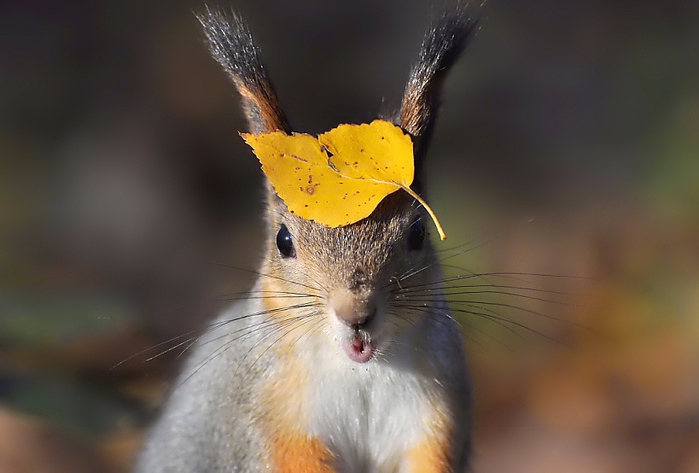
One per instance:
(351, 284)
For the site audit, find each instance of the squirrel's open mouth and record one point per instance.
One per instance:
(359, 350)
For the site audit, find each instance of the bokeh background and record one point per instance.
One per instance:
(568, 145)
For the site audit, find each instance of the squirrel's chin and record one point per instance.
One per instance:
(358, 350)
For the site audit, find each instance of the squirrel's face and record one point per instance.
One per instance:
(349, 287)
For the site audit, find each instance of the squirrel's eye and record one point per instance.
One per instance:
(285, 243)
(416, 235)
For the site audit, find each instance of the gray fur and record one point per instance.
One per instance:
(208, 424)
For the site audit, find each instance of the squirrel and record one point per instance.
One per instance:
(344, 357)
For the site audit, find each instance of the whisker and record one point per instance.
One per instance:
(249, 329)
(153, 347)
(260, 273)
(506, 305)
(264, 297)
(191, 341)
(505, 275)
(458, 250)
(299, 321)
(279, 325)
(429, 296)
(434, 313)
(503, 322)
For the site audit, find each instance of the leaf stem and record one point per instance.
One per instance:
(442, 235)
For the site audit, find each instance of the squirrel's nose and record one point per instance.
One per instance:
(354, 311)
(365, 319)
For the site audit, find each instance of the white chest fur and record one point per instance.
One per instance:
(370, 414)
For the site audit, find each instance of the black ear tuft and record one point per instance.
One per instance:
(441, 47)
(232, 45)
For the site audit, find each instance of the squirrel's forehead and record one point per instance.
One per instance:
(339, 253)
(365, 234)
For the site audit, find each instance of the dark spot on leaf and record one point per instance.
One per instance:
(310, 178)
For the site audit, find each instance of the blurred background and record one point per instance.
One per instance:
(568, 145)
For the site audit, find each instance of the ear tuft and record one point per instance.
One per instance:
(441, 47)
(232, 45)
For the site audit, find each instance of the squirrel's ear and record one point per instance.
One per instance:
(231, 44)
(441, 47)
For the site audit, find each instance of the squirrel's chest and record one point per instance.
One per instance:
(370, 416)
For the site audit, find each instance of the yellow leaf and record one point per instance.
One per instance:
(340, 177)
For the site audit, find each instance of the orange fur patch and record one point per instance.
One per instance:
(264, 100)
(296, 453)
(433, 455)
(275, 305)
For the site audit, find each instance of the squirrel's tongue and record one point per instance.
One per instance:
(358, 350)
